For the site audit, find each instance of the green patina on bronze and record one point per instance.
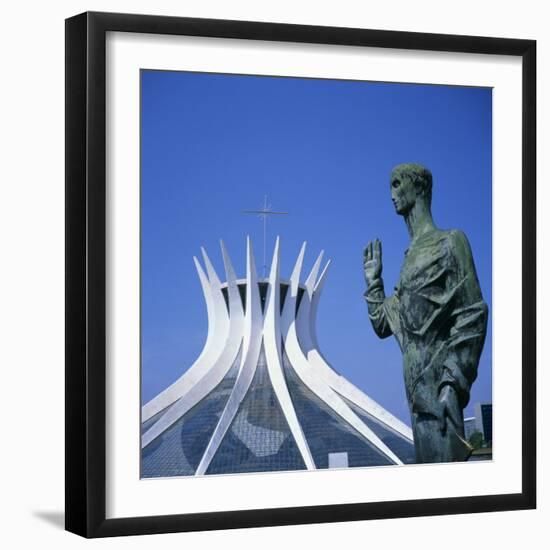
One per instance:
(437, 315)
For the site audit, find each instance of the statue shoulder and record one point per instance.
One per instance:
(459, 247)
(451, 240)
(456, 239)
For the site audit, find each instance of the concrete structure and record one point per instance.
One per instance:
(469, 427)
(484, 422)
(261, 396)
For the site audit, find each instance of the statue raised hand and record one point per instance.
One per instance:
(372, 262)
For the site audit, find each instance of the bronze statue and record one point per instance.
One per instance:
(437, 314)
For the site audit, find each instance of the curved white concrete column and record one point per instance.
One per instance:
(315, 297)
(272, 342)
(218, 330)
(306, 315)
(213, 374)
(236, 312)
(312, 277)
(309, 376)
(221, 314)
(251, 352)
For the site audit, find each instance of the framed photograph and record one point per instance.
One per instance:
(224, 176)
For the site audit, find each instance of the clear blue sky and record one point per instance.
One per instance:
(214, 145)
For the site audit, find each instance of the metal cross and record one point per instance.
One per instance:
(263, 214)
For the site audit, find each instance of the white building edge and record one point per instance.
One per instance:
(272, 325)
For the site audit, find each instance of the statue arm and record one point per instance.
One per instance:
(382, 309)
(468, 321)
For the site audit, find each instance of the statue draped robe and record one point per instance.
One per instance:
(439, 318)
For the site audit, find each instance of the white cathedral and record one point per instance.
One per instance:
(261, 397)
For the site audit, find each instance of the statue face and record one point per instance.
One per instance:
(403, 193)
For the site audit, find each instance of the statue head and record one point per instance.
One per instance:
(410, 183)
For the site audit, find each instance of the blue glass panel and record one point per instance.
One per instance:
(178, 451)
(259, 439)
(402, 447)
(148, 423)
(326, 432)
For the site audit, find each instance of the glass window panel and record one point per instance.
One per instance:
(402, 447)
(259, 439)
(178, 451)
(325, 431)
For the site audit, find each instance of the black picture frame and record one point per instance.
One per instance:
(86, 273)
